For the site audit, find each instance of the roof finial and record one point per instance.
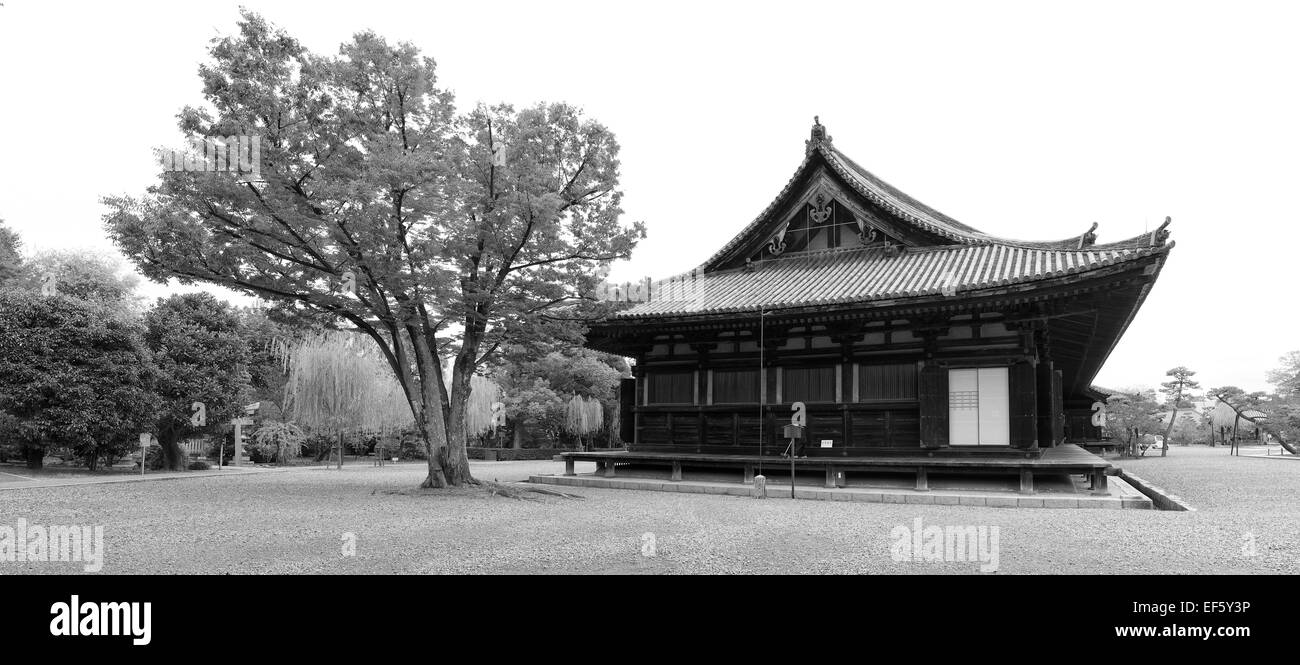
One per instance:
(1089, 237)
(818, 136)
(1162, 233)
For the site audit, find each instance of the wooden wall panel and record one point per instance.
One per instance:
(654, 429)
(869, 429)
(719, 429)
(686, 429)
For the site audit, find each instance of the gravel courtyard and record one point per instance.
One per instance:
(294, 522)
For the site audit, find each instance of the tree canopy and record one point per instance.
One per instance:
(73, 374)
(1130, 415)
(376, 205)
(199, 349)
(11, 258)
(88, 274)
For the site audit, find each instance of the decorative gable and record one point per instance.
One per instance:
(823, 219)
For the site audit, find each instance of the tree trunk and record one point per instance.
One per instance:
(433, 449)
(456, 461)
(434, 430)
(92, 461)
(1173, 418)
(173, 456)
(517, 435)
(1236, 420)
(35, 456)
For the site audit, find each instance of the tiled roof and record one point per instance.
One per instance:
(867, 274)
(905, 208)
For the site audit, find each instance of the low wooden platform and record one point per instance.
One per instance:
(1101, 445)
(1065, 459)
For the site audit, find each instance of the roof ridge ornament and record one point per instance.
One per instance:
(1089, 237)
(817, 137)
(1161, 234)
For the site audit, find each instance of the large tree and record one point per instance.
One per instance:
(1240, 401)
(11, 258)
(199, 348)
(1177, 389)
(1283, 407)
(91, 275)
(1286, 376)
(73, 373)
(437, 236)
(540, 385)
(336, 386)
(1131, 415)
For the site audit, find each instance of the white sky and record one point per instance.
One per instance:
(1026, 120)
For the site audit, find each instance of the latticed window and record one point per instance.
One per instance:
(671, 388)
(736, 386)
(808, 384)
(881, 383)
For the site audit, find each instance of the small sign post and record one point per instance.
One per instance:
(795, 432)
(144, 450)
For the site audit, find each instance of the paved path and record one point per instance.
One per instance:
(13, 481)
(6, 477)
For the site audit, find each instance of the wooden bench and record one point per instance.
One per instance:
(1067, 459)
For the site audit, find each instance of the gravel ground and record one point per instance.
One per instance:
(294, 522)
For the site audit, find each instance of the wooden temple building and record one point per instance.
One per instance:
(906, 333)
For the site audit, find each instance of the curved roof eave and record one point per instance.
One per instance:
(910, 211)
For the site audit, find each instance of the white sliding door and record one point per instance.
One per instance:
(979, 411)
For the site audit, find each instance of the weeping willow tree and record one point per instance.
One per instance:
(484, 392)
(583, 416)
(338, 385)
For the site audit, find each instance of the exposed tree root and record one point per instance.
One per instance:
(517, 491)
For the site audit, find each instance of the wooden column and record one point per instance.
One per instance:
(848, 385)
(1058, 409)
(933, 396)
(702, 350)
(1024, 405)
(770, 366)
(1044, 402)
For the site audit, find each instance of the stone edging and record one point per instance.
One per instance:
(1161, 497)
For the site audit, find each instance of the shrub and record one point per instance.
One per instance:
(318, 446)
(275, 442)
(199, 465)
(154, 458)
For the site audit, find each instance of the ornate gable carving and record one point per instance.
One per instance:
(824, 217)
